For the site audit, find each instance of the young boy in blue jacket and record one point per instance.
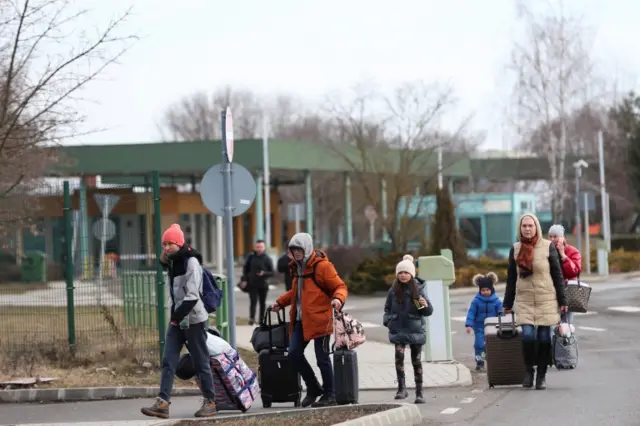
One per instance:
(485, 304)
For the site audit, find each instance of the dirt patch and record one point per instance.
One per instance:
(317, 417)
(21, 288)
(108, 351)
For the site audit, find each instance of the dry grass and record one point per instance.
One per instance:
(324, 417)
(108, 352)
(21, 288)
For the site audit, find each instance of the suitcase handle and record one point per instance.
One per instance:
(507, 333)
(266, 321)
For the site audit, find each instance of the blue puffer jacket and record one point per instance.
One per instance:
(483, 307)
(406, 323)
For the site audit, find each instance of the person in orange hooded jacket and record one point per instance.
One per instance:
(316, 290)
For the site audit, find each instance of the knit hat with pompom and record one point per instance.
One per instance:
(406, 265)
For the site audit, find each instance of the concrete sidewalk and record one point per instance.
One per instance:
(377, 368)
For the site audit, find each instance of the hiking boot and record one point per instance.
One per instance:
(312, 396)
(402, 389)
(208, 409)
(419, 396)
(325, 401)
(160, 409)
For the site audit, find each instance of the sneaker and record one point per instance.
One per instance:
(480, 366)
(325, 401)
(252, 322)
(160, 409)
(208, 409)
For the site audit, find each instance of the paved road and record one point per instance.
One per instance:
(603, 390)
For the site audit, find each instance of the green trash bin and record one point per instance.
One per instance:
(34, 267)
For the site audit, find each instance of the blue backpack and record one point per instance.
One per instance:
(211, 295)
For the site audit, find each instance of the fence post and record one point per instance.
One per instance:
(160, 294)
(68, 267)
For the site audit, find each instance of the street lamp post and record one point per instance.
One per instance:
(578, 166)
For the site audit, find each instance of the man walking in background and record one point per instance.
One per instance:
(257, 269)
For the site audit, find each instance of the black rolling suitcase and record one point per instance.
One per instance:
(279, 381)
(345, 376)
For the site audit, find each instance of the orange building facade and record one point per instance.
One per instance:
(133, 217)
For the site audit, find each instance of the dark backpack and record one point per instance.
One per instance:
(211, 295)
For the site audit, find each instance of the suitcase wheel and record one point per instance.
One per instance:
(266, 402)
(297, 403)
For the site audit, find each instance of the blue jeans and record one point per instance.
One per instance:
(297, 346)
(529, 333)
(478, 344)
(196, 339)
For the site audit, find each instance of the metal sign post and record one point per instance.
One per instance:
(227, 158)
(239, 191)
(104, 230)
(371, 215)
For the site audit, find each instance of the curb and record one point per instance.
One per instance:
(399, 415)
(407, 414)
(126, 392)
(86, 394)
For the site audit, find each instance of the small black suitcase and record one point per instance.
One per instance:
(345, 376)
(279, 381)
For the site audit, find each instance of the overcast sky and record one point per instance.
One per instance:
(308, 47)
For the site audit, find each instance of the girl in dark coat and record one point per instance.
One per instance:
(405, 310)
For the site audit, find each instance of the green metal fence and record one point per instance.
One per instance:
(139, 299)
(87, 282)
(89, 299)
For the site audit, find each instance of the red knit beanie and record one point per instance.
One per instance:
(173, 235)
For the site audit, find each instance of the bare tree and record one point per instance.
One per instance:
(44, 65)
(197, 116)
(554, 76)
(395, 138)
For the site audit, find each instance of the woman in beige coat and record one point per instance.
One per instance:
(535, 283)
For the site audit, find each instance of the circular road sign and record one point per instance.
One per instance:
(109, 229)
(243, 190)
(228, 130)
(370, 213)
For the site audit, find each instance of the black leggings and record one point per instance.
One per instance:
(416, 354)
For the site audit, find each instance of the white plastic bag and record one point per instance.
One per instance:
(564, 330)
(575, 282)
(216, 345)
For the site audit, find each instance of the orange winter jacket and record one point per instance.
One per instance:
(316, 300)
